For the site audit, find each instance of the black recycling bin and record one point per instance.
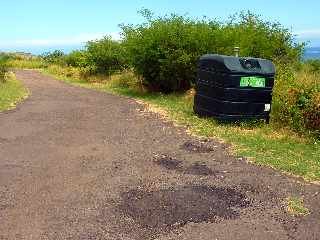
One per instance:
(234, 88)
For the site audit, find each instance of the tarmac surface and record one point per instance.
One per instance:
(81, 164)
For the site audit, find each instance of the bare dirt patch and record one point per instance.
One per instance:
(172, 208)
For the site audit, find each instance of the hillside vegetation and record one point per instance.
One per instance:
(163, 53)
(156, 61)
(11, 90)
(3, 68)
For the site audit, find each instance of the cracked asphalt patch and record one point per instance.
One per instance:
(200, 169)
(171, 208)
(198, 147)
(168, 162)
(80, 164)
(196, 168)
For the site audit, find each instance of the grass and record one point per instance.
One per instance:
(296, 207)
(262, 144)
(11, 92)
(26, 64)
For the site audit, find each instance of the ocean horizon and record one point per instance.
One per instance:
(309, 53)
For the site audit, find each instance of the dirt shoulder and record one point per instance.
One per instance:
(81, 164)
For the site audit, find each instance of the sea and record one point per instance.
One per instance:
(311, 53)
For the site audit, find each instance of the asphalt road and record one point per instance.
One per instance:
(81, 164)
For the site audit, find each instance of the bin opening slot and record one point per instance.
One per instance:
(250, 64)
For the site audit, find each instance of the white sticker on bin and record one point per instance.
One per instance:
(267, 107)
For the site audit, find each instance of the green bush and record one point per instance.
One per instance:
(103, 56)
(3, 67)
(77, 59)
(126, 80)
(55, 57)
(262, 39)
(296, 99)
(165, 50)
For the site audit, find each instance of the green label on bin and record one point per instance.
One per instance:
(252, 82)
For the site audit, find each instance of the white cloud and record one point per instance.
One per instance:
(308, 34)
(65, 41)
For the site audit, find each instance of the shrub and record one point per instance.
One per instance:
(3, 67)
(165, 50)
(70, 72)
(55, 57)
(127, 80)
(77, 59)
(296, 99)
(261, 39)
(311, 113)
(103, 56)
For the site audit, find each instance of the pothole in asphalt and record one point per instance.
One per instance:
(172, 208)
(197, 147)
(168, 162)
(199, 169)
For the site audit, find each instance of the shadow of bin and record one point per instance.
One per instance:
(234, 88)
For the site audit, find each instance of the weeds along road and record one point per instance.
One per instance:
(81, 164)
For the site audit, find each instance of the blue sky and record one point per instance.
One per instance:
(40, 25)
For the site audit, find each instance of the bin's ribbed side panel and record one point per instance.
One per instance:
(218, 90)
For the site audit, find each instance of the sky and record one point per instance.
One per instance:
(38, 25)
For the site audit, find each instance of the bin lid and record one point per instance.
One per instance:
(246, 65)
